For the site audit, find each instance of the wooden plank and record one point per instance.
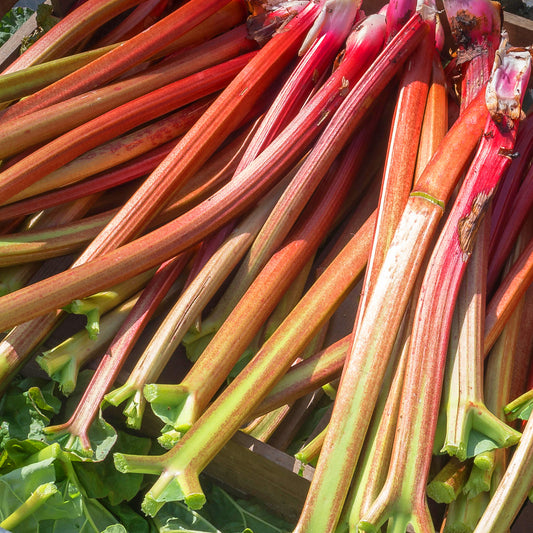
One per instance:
(11, 50)
(520, 29)
(254, 468)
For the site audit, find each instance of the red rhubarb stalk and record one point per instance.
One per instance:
(18, 134)
(222, 117)
(68, 32)
(365, 367)
(403, 497)
(77, 427)
(135, 50)
(230, 200)
(107, 126)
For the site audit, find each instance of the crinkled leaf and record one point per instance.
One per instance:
(238, 515)
(177, 516)
(16, 452)
(103, 480)
(12, 21)
(26, 408)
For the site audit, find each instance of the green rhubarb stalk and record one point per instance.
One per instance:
(467, 415)
(75, 433)
(30, 506)
(39, 244)
(402, 500)
(18, 133)
(463, 391)
(513, 489)
(179, 467)
(463, 513)
(30, 79)
(501, 363)
(118, 150)
(178, 320)
(68, 32)
(191, 227)
(368, 357)
(63, 362)
(133, 51)
(323, 367)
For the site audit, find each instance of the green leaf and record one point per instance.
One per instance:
(12, 21)
(132, 521)
(25, 409)
(177, 516)
(479, 443)
(103, 480)
(238, 515)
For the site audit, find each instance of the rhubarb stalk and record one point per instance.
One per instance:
(402, 499)
(368, 357)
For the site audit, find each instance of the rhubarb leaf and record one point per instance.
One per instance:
(26, 408)
(12, 21)
(479, 443)
(237, 515)
(103, 480)
(177, 516)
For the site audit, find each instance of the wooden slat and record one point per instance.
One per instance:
(258, 469)
(11, 50)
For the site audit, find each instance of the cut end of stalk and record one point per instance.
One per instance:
(171, 487)
(175, 405)
(508, 82)
(441, 492)
(195, 501)
(64, 370)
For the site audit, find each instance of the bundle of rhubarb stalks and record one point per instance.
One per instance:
(194, 196)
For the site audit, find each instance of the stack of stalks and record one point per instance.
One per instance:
(229, 173)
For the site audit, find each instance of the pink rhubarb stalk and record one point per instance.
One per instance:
(135, 50)
(230, 200)
(403, 497)
(68, 32)
(365, 367)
